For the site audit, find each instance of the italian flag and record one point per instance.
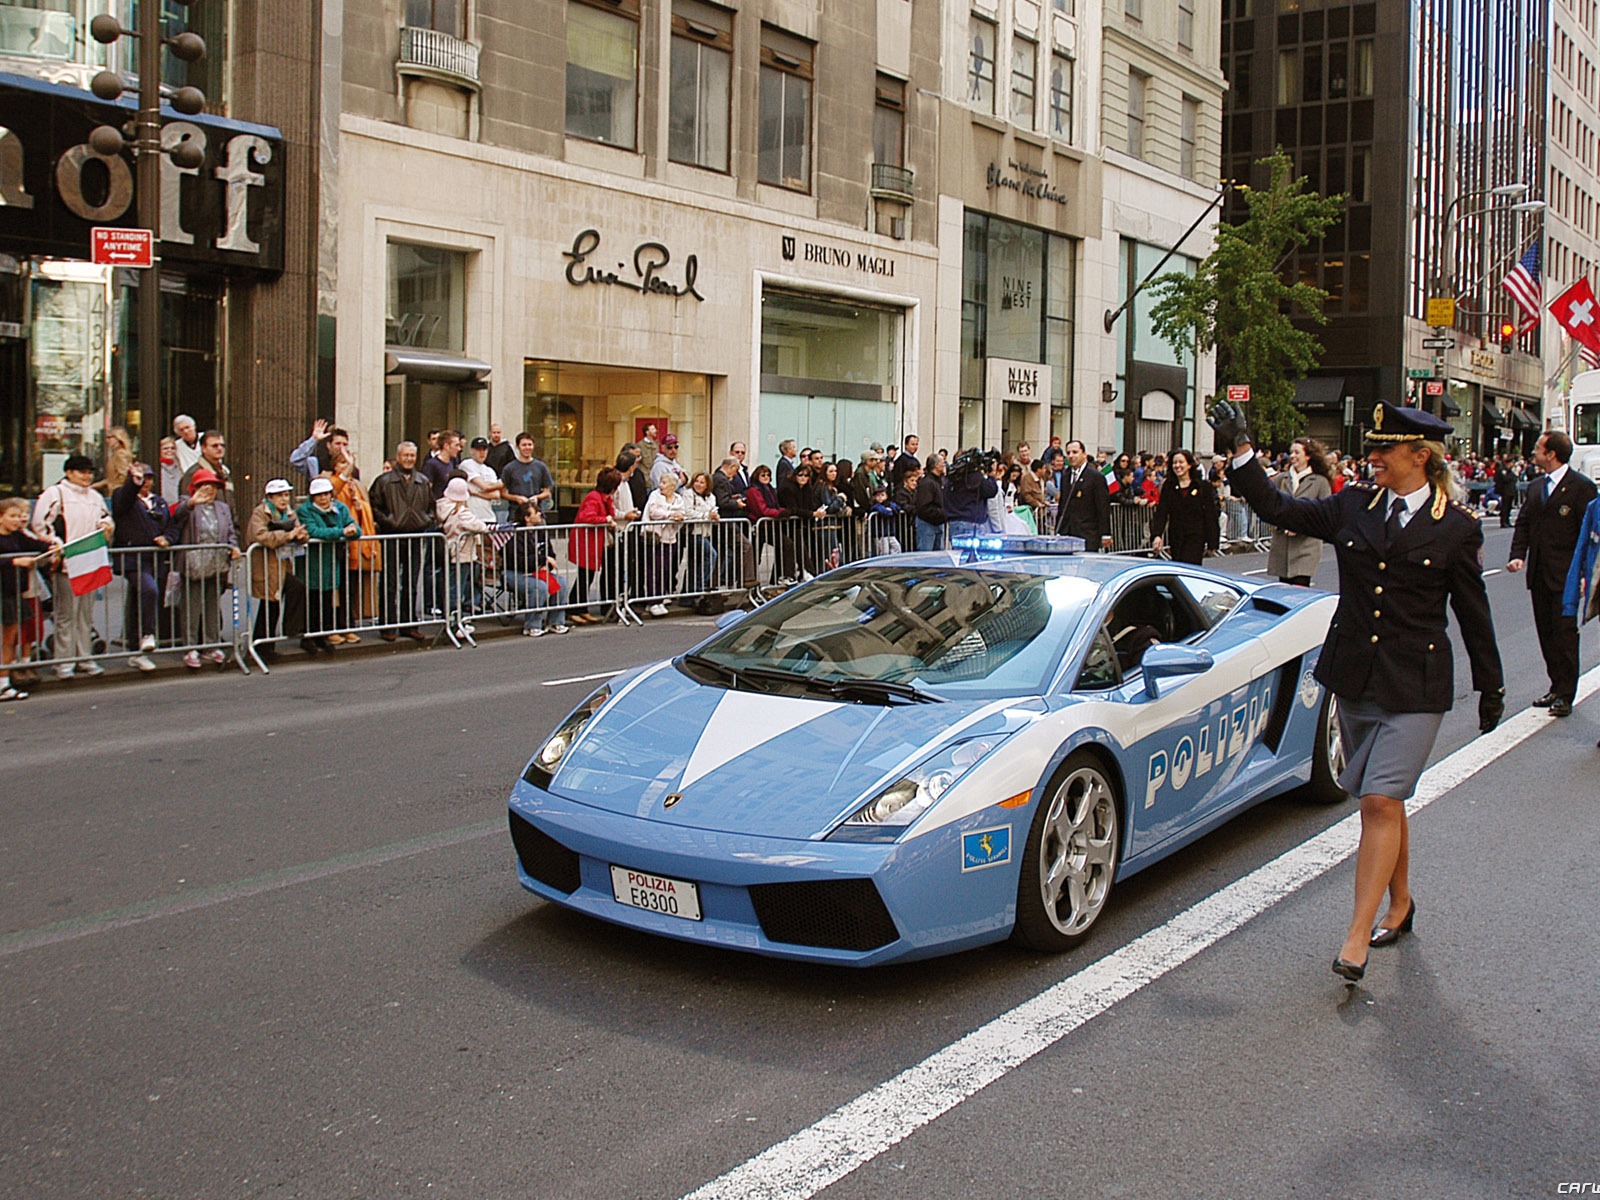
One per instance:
(1110, 472)
(88, 563)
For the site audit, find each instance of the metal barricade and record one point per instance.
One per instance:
(160, 601)
(1242, 531)
(317, 592)
(685, 562)
(1130, 528)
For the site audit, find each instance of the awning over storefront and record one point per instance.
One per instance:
(1448, 406)
(434, 366)
(1493, 418)
(1522, 420)
(1322, 391)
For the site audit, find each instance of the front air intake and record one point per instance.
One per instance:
(544, 858)
(837, 914)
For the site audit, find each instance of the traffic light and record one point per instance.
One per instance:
(1508, 337)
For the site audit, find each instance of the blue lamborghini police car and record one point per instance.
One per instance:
(921, 753)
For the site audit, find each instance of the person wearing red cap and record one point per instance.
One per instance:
(667, 464)
(206, 527)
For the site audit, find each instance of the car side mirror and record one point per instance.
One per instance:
(1168, 662)
(732, 617)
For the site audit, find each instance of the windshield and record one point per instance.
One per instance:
(954, 632)
(1586, 424)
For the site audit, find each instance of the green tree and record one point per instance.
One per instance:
(1239, 303)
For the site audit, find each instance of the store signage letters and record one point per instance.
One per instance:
(54, 187)
(1014, 379)
(1024, 180)
(837, 255)
(648, 260)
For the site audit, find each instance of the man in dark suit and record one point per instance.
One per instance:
(1544, 540)
(1505, 487)
(1085, 506)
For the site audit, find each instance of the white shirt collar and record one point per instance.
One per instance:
(1414, 500)
(1557, 476)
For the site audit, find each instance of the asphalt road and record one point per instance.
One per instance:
(263, 937)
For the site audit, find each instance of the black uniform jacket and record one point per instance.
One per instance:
(1547, 528)
(1388, 640)
(1186, 516)
(1085, 506)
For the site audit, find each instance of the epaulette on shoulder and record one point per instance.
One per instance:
(1362, 485)
(1463, 509)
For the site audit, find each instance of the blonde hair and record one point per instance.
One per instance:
(1439, 473)
(10, 502)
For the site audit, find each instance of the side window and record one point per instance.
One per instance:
(1100, 666)
(1149, 614)
(1215, 600)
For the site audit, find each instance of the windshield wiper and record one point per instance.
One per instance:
(879, 690)
(736, 676)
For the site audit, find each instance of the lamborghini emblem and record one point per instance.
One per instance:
(672, 799)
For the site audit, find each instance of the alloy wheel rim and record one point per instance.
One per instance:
(1078, 850)
(1335, 742)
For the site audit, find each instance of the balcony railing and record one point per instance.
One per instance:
(891, 182)
(438, 54)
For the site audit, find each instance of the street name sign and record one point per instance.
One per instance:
(122, 247)
(1238, 393)
(1441, 311)
(1419, 372)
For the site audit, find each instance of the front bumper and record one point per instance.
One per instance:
(837, 902)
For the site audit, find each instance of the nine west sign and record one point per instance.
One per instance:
(1016, 380)
(226, 214)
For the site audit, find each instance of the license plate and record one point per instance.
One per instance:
(655, 893)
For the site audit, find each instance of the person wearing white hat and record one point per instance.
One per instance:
(280, 594)
(328, 524)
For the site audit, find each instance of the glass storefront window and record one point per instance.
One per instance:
(830, 371)
(602, 75)
(1018, 286)
(69, 353)
(427, 297)
(581, 414)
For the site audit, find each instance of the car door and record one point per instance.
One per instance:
(1182, 748)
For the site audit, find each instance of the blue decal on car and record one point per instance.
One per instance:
(985, 848)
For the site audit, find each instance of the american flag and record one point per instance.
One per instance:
(499, 535)
(1591, 358)
(1523, 284)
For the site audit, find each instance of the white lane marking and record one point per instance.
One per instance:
(1262, 571)
(581, 678)
(1494, 571)
(851, 1136)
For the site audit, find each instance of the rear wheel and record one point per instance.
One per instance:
(1071, 857)
(1327, 755)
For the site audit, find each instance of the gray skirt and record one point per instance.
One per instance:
(1385, 752)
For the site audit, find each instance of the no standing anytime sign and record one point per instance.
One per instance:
(122, 247)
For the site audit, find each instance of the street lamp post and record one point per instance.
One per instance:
(143, 134)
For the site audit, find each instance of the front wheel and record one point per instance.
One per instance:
(1327, 755)
(1071, 857)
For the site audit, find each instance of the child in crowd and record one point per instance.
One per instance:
(885, 521)
(19, 609)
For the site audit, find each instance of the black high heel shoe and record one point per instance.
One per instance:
(1382, 936)
(1352, 972)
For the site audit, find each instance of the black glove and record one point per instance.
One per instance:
(1491, 707)
(1227, 419)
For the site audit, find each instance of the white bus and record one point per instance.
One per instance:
(1585, 425)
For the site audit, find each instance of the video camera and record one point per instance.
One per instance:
(973, 462)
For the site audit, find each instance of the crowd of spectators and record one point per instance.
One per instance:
(339, 564)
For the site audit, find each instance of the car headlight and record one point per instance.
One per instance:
(541, 771)
(895, 807)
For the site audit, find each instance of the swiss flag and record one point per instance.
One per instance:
(1579, 314)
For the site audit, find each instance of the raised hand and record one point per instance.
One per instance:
(1231, 426)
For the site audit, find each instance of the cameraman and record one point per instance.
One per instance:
(967, 489)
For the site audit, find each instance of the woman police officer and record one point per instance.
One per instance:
(1404, 547)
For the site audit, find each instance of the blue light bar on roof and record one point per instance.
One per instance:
(1002, 545)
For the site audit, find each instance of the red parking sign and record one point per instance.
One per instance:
(121, 247)
(1238, 393)
(1433, 387)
